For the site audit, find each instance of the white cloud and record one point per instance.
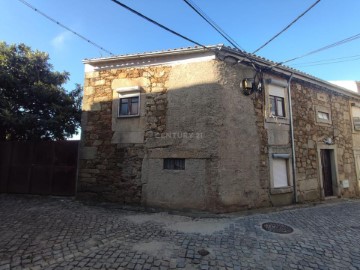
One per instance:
(58, 42)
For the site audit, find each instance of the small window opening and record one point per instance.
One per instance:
(174, 164)
(324, 116)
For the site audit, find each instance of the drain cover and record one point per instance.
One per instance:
(203, 252)
(277, 228)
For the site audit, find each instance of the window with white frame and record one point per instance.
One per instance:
(129, 101)
(277, 101)
(280, 172)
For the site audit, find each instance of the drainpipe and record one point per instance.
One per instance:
(292, 140)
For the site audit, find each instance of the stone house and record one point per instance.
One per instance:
(214, 129)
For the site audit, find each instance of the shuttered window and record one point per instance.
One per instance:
(356, 118)
(280, 172)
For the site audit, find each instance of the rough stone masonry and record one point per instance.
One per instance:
(192, 108)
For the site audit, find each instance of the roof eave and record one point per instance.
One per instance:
(189, 50)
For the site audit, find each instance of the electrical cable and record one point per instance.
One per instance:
(65, 27)
(156, 23)
(170, 30)
(213, 24)
(287, 27)
(328, 61)
(220, 31)
(335, 44)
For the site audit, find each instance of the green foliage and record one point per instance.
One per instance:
(33, 103)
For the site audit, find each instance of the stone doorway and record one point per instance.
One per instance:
(326, 172)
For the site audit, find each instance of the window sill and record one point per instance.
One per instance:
(128, 116)
(278, 120)
(281, 190)
(324, 124)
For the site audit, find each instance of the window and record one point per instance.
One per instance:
(276, 101)
(280, 172)
(277, 106)
(356, 121)
(323, 116)
(129, 106)
(174, 164)
(129, 101)
(355, 111)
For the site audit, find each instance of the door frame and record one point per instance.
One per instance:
(357, 168)
(334, 169)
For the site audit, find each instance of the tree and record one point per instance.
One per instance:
(33, 103)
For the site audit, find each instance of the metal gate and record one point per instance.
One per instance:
(47, 168)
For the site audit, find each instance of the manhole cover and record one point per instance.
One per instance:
(203, 252)
(277, 228)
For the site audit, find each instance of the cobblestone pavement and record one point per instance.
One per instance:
(59, 233)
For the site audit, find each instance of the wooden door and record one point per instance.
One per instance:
(326, 172)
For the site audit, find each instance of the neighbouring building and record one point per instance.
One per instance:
(211, 129)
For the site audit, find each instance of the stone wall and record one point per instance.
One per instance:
(193, 120)
(110, 169)
(198, 112)
(243, 161)
(223, 151)
(310, 135)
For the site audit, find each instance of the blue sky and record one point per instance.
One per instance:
(250, 23)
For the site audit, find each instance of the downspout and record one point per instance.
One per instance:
(292, 139)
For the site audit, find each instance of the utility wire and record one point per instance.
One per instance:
(65, 27)
(287, 27)
(335, 44)
(213, 24)
(156, 23)
(328, 61)
(220, 31)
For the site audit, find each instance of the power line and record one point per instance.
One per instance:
(329, 61)
(156, 23)
(335, 44)
(287, 27)
(213, 24)
(65, 27)
(220, 31)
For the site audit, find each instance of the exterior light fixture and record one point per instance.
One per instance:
(247, 84)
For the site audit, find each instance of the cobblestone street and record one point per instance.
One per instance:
(59, 233)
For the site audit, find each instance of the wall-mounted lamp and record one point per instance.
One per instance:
(247, 84)
(328, 141)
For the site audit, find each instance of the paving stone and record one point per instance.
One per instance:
(53, 233)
